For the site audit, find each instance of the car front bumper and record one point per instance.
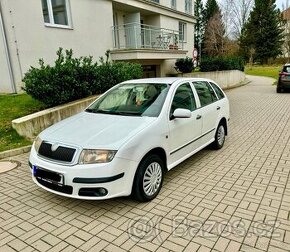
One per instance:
(89, 181)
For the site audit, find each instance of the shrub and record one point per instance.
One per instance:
(184, 65)
(69, 79)
(110, 74)
(74, 78)
(221, 63)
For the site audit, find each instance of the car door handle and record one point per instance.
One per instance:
(198, 117)
(218, 108)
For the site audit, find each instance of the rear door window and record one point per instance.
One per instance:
(218, 91)
(205, 93)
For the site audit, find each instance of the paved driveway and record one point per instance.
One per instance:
(234, 199)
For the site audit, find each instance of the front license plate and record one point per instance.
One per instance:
(48, 176)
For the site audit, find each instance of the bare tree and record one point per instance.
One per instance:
(251, 56)
(285, 5)
(214, 37)
(236, 14)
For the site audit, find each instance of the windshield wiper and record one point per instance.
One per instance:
(128, 113)
(90, 110)
(112, 112)
(99, 111)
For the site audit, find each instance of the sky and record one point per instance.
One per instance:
(279, 3)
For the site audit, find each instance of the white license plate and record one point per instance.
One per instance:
(48, 176)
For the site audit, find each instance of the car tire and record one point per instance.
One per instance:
(148, 178)
(220, 137)
(279, 90)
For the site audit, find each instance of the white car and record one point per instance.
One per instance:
(125, 141)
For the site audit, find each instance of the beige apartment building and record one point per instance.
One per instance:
(286, 45)
(153, 33)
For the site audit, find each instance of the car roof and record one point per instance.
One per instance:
(165, 80)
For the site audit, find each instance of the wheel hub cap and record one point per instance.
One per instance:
(152, 178)
(221, 135)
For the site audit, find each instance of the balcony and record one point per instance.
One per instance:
(139, 41)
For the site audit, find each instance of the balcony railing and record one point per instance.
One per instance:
(139, 36)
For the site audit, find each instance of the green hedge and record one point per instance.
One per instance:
(184, 65)
(221, 63)
(72, 78)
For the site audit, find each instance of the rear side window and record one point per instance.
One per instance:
(205, 93)
(286, 69)
(218, 91)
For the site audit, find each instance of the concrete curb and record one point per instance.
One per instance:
(14, 152)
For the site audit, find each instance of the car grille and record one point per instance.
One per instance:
(62, 153)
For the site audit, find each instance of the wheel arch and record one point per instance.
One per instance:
(135, 191)
(223, 121)
(159, 152)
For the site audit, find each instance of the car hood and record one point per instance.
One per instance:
(90, 130)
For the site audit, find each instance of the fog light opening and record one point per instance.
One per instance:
(93, 192)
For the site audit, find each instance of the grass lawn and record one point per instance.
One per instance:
(12, 107)
(267, 71)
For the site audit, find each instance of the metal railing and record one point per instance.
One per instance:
(140, 36)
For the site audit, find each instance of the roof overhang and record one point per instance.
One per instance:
(145, 54)
(151, 7)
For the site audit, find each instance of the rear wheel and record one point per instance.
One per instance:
(279, 90)
(148, 178)
(220, 137)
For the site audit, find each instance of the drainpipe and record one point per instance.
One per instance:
(7, 53)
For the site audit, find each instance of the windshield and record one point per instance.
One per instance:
(132, 99)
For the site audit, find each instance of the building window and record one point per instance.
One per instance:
(182, 31)
(156, 1)
(188, 6)
(173, 4)
(55, 12)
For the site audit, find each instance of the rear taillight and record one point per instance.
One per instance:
(283, 74)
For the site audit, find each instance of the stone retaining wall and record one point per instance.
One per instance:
(226, 79)
(30, 126)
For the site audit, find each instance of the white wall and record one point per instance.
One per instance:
(171, 23)
(190, 39)
(180, 4)
(153, 20)
(30, 39)
(5, 81)
(91, 32)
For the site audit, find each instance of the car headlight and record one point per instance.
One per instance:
(37, 143)
(96, 156)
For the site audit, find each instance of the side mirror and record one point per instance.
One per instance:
(181, 113)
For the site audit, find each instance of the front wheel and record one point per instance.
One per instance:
(279, 90)
(148, 178)
(220, 137)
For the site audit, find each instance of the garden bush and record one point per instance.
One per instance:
(110, 74)
(221, 63)
(74, 78)
(184, 65)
